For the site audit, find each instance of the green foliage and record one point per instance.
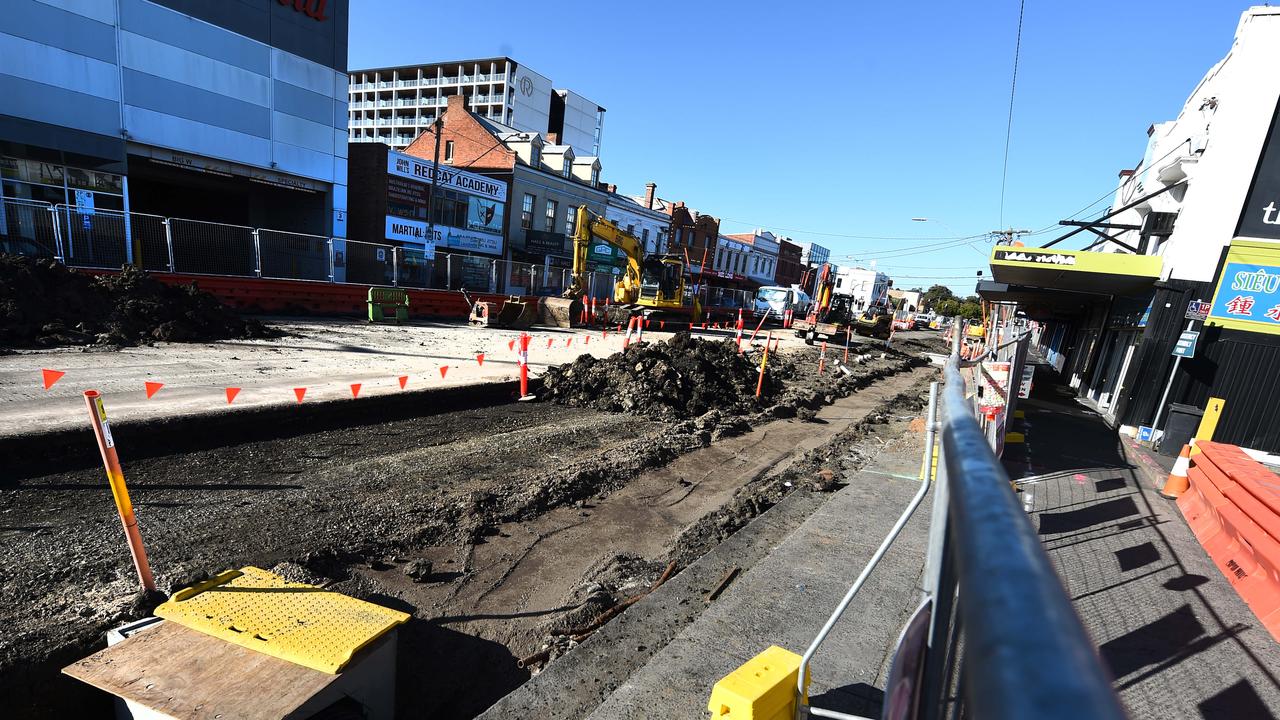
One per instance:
(935, 295)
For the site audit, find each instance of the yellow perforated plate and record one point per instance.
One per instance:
(303, 624)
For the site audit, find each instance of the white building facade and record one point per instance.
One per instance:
(866, 287)
(393, 105)
(649, 226)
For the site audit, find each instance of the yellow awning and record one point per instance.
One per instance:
(1075, 270)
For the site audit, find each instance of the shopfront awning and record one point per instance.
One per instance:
(1075, 271)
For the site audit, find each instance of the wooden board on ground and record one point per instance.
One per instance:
(186, 674)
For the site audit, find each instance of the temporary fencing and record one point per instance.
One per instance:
(108, 239)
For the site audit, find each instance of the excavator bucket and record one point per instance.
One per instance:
(514, 312)
(560, 312)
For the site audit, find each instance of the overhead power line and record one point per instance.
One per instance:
(1013, 89)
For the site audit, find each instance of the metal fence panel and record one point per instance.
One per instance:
(365, 263)
(208, 248)
(28, 228)
(293, 256)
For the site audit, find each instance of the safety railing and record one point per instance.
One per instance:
(107, 239)
(995, 636)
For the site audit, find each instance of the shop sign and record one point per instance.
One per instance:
(313, 9)
(1186, 345)
(1260, 217)
(484, 215)
(1248, 292)
(605, 254)
(540, 242)
(1197, 310)
(417, 233)
(1045, 258)
(413, 168)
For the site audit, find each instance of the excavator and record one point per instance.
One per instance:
(652, 285)
(830, 316)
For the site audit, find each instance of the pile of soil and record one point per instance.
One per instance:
(680, 379)
(44, 303)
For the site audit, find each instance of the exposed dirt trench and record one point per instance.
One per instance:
(531, 517)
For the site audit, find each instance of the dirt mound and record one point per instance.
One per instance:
(43, 303)
(679, 379)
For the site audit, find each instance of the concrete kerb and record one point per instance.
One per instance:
(71, 448)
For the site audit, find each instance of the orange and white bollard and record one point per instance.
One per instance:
(822, 358)
(640, 323)
(523, 360)
(115, 477)
(847, 333)
(739, 330)
(764, 360)
(626, 340)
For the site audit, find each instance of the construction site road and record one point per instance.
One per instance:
(496, 526)
(325, 356)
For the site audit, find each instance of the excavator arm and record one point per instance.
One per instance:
(590, 229)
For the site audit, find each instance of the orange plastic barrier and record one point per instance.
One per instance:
(1233, 508)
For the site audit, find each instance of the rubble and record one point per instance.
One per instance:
(679, 379)
(43, 303)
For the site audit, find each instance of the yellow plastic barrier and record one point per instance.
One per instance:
(260, 610)
(763, 688)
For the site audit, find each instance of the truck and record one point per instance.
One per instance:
(650, 285)
(775, 300)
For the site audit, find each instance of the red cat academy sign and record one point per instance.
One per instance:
(313, 9)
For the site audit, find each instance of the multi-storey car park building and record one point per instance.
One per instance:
(393, 105)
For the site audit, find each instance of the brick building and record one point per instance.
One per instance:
(790, 268)
(547, 181)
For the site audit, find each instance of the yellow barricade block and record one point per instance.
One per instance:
(1019, 415)
(763, 688)
(1011, 438)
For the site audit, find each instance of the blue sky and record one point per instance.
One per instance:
(823, 120)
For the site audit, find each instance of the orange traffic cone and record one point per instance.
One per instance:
(1178, 482)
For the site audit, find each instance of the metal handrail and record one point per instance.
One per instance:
(1026, 653)
(926, 477)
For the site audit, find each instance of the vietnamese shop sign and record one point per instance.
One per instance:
(413, 168)
(1248, 292)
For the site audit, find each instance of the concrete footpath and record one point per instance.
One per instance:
(1177, 639)
(325, 356)
(785, 598)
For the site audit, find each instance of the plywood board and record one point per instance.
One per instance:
(186, 674)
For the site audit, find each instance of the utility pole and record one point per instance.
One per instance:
(1008, 237)
(436, 127)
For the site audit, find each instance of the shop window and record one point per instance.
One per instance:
(526, 211)
(552, 208)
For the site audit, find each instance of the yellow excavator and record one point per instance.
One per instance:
(656, 284)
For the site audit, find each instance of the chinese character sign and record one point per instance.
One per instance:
(1248, 297)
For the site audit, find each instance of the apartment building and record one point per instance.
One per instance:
(393, 105)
